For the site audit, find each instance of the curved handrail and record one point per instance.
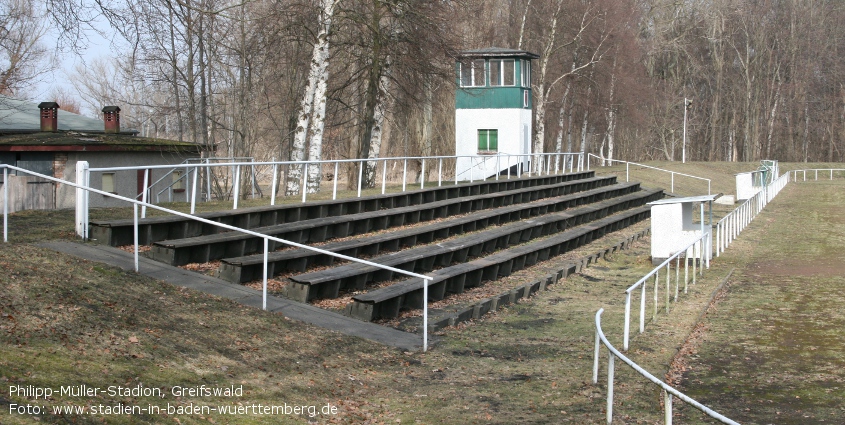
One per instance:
(668, 391)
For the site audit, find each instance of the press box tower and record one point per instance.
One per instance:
(493, 112)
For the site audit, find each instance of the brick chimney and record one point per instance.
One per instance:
(111, 116)
(49, 116)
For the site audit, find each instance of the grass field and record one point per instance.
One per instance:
(69, 322)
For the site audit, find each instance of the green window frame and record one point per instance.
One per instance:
(488, 140)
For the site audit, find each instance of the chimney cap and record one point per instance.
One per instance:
(48, 105)
(111, 109)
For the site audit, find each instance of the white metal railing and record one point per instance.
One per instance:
(135, 203)
(628, 171)
(700, 248)
(816, 170)
(185, 177)
(668, 391)
(195, 177)
(732, 224)
(542, 164)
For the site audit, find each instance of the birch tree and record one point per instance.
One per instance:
(312, 108)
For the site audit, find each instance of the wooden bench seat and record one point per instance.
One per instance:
(201, 249)
(355, 276)
(389, 301)
(153, 229)
(246, 268)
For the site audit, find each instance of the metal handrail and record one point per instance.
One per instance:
(831, 170)
(135, 203)
(628, 171)
(668, 391)
(733, 223)
(702, 243)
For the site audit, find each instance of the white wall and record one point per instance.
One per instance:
(672, 229)
(745, 187)
(126, 182)
(513, 125)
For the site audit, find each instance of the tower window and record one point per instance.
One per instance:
(488, 140)
(472, 73)
(526, 73)
(502, 72)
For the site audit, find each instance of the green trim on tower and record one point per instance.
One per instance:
(492, 98)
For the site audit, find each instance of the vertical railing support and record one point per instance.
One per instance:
(236, 189)
(360, 176)
(610, 388)
(194, 190)
(144, 196)
(336, 178)
(275, 183)
(6, 205)
(384, 177)
(135, 233)
(264, 277)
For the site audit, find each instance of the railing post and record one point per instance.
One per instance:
(610, 388)
(669, 287)
(422, 175)
(194, 190)
(627, 321)
(360, 176)
(144, 196)
(384, 177)
(304, 187)
(236, 189)
(678, 277)
(336, 178)
(404, 173)
(596, 358)
(667, 405)
(135, 232)
(6, 205)
(425, 314)
(642, 308)
(627, 171)
(656, 302)
(264, 277)
(82, 174)
(439, 172)
(275, 183)
(498, 166)
(673, 181)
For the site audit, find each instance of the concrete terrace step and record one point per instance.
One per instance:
(202, 249)
(154, 229)
(247, 268)
(328, 282)
(387, 302)
(240, 294)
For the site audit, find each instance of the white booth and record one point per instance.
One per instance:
(673, 228)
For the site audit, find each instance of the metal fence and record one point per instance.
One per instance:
(668, 391)
(82, 188)
(698, 248)
(727, 230)
(831, 171)
(732, 224)
(628, 171)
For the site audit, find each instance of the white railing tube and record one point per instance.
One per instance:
(614, 353)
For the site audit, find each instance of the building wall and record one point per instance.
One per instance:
(514, 130)
(125, 182)
(672, 228)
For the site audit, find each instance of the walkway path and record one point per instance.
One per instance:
(247, 296)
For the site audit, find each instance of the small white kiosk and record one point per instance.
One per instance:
(750, 183)
(672, 226)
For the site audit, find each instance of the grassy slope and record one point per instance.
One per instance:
(65, 321)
